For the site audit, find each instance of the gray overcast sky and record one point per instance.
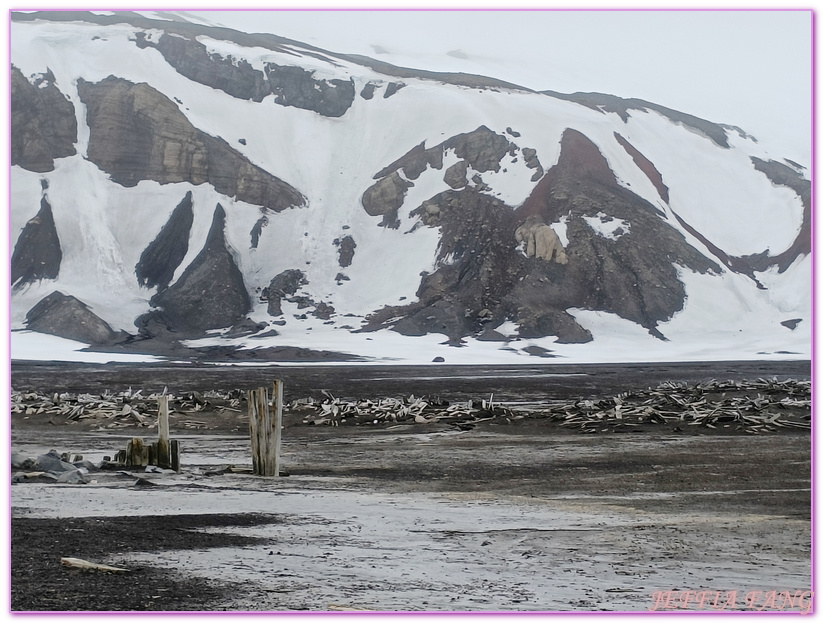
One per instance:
(750, 68)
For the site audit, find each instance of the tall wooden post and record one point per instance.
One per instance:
(163, 457)
(251, 403)
(265, 430)
(277, 422)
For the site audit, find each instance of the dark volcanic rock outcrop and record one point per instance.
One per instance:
(295, 86)
(345, 250)
(620, 257)
(37, 254)
(284, 285)
(292, 86)
(630, 273)
(165, 253)
(43, 123)
(415, 161)
(210, 294)
(70, 318)
(191, 59)
(137, 133)
(385, 198)
(481, 149)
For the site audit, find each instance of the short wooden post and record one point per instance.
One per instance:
(137, 454)
(175, 454)
(163, 456)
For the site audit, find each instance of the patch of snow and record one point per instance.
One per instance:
(607, 226)
(560, 227)
(33, 346)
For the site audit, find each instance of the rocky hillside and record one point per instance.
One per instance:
(196, 191)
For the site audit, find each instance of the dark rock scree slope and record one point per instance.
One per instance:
(488, 279)
(210, 294)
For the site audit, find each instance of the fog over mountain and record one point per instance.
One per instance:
(196, 192)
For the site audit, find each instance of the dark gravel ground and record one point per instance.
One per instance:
(39, 582)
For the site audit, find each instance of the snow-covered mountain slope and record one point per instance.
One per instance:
(174, 177)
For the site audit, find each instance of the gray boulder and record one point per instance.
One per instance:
(73, 477)
(70, 318)
(21, 461)
(51, 462)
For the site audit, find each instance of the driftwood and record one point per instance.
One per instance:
(85, 565)
(756, 407)
(128, 408)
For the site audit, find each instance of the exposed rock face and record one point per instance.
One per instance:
(533, 162)
(37, 254)
(345, 250)
(210, 294)
(283, 286)
(292, 86)
(385, 198)
(257, 230)
(43, 123)
(481, 149)
(295, 86)
(541, 241)
(70, 318)
(625, 275)
(165, 253)
(455, 175)
(415, 161)
(483, 280)
(137, 133)
(323, 310)
(392, 88)
(192, 60)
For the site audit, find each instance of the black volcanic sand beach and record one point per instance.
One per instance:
(658, 473)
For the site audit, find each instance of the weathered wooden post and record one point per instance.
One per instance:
(163, 457)
(265, 430)
(277, 422)
(137, 454)
(251, 403)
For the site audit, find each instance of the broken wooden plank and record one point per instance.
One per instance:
(85, 565)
